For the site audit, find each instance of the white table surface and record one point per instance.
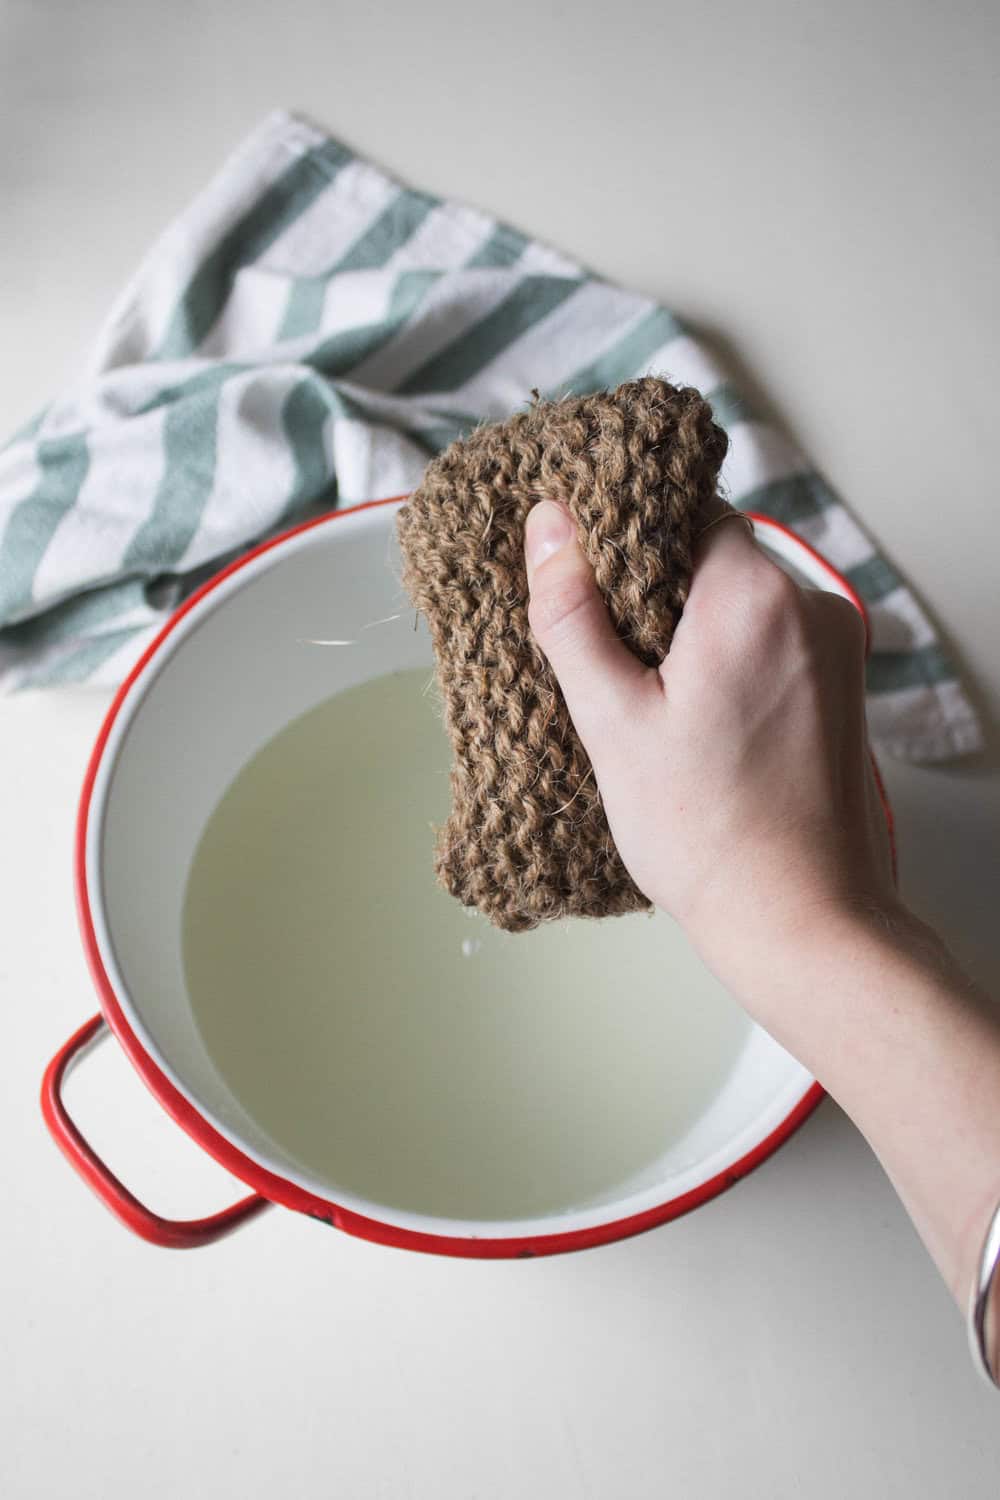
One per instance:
(814, 186)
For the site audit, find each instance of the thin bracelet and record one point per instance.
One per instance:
(979, 1301)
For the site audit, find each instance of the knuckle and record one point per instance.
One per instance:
(771, 604)
(776, 590)
(840, 625)
(845, 617)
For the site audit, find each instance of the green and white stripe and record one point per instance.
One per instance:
(306, 334)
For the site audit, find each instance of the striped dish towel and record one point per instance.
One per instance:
(307, 334)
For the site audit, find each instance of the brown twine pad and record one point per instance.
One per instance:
(527, 839)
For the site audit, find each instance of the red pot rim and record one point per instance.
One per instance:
(289, 1194)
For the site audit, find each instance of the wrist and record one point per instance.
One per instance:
(846, 974)
(790, 967)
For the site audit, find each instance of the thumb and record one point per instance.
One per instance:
(597, 673)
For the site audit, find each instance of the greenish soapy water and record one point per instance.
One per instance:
(398, 1047)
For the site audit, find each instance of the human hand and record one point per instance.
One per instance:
(736, 777)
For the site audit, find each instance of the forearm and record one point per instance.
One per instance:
(881, 1013)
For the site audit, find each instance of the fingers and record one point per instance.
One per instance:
(597, 673)
(735, 585)
(723, 545)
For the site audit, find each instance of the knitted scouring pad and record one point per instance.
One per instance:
(527, 839)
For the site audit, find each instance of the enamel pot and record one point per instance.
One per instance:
(225, 674)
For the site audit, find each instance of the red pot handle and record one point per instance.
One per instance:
(177, 1234)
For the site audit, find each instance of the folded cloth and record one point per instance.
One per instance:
(306, 335)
